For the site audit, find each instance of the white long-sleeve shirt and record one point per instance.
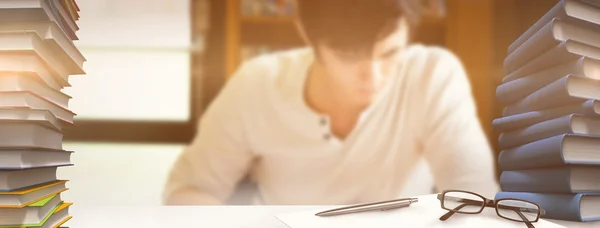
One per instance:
(260, 125)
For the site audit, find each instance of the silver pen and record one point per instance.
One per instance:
(381, 206)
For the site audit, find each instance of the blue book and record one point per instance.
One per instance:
(517, 89)
(571, 207)
(568, 50)
(566, 90)
(570, 124)
(10, 180)
(566, 179)
(548, 36)
(560, 150)
(514, 122)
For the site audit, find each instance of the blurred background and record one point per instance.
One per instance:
(155, 65)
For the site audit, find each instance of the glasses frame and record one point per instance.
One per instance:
(488, 203)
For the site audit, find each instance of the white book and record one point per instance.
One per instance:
(19, 199)
(552, 34)
(33, 10)
(15, 180)
(516, 89)
(566, 51)
(19, 134)
(59, 42)
(14, 82)
(585, 10)
(30, 41)
(64, 15)
(30, 100)
(41, 116)
(58, 219)
(28, 215)
(25, 10)
(29, 63)
(26, 158)
(567, 90)
(513, 122)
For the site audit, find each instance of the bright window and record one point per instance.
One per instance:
(138, 60)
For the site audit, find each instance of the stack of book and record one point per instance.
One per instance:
(550, 129)
(37, 56)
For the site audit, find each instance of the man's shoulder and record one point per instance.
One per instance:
(275, 64)
(433, 55)
(432, 62)
(435, 68)
(274, 71)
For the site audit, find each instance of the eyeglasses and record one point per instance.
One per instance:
(464, 202)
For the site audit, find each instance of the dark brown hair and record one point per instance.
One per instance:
(353, 26)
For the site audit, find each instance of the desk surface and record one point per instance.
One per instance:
(199, 216)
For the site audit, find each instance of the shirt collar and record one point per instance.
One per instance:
(297, 82)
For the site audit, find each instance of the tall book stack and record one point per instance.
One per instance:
(550, 129)
(37, 56)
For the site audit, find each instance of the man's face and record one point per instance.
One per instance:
(358, 78)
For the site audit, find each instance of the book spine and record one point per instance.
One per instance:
(579, 30)
(589, 108)
(557, 206)
(546, 129)
(590, 68)
(553, 57)
(537, 44)
(61, 22)
(514, 122)
(553, 180)
(553, 95)
(519, 88)
(543, 153)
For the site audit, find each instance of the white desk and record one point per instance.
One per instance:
(196, 216)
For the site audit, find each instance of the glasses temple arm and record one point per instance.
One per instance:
(527, 222)
(451, 212)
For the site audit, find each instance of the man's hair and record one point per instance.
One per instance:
(353, 26)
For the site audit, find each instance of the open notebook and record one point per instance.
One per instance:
(424, 213)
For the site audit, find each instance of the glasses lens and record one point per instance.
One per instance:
(518, 210)
(463, 202)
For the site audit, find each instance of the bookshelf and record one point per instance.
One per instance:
(279, 32)
(267, 20)
(269, 31)
(263, 31)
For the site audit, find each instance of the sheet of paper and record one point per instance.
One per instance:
(424, 213)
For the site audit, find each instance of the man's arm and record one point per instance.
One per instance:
(455, 144)
(208, 170)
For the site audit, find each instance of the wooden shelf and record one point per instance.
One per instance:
(267, 19)
(430, 31)
(269, 31)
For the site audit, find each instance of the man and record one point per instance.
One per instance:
(341, 122)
